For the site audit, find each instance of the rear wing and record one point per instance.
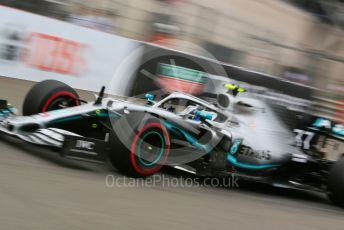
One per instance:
(329, 128)
(323, 138)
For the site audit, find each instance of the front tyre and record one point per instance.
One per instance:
(49, 95)
(336, 183)
(144, 153)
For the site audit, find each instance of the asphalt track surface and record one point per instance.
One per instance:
(40, 190)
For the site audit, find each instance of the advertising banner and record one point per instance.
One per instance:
(175, 78)
(36, 48)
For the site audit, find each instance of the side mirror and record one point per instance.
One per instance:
(150, 98)
(203, 115)
(224, 100)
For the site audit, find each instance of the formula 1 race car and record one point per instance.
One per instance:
(180, 131)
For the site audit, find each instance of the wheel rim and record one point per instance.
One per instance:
(150, 149)
(60, 100)
(154, 164)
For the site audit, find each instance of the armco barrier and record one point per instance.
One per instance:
(154, 55)
(36, 48)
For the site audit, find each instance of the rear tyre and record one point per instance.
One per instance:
(336, 183)
(140, 151)
(49, 95)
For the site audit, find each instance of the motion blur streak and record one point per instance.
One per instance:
(277, 50)
(65, 194)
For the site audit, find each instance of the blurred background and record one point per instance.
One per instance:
(282, 49)
(296, 40)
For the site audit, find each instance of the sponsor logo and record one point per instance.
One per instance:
(42, 51)
(84, 145)
(54, 54)
(249, 152)
(176, 78)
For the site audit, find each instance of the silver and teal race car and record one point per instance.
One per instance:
(240, 137)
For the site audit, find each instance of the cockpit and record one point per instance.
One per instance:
(191, 109)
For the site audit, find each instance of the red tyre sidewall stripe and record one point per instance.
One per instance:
(135, 164)
(57, 95)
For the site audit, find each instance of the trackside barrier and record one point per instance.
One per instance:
(36, 48)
